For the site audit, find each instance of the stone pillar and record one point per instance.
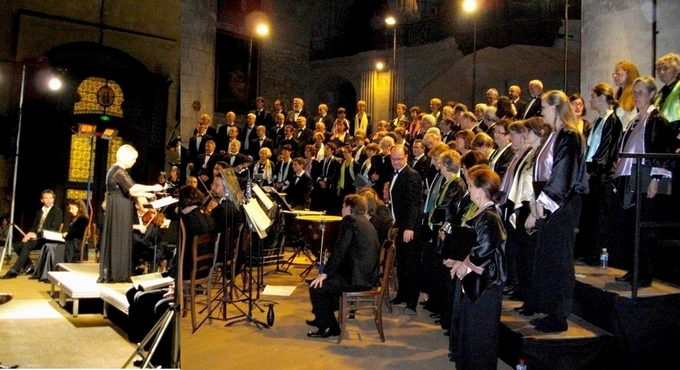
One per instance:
(197, 72)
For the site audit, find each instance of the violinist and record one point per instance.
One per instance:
(146, 234)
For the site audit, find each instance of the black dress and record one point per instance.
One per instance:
(477, 311)
(115, 264)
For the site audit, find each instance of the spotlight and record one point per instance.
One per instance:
(379, 66)
(55, 84)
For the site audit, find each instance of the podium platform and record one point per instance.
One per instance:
(607, 328)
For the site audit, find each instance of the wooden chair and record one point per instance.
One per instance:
(392, 282)
(88, 232)
(370, 299)
(203, 252)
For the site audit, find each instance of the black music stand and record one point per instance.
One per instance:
(257, 222)
(279, 234)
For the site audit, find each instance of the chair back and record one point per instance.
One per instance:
(88, 231)
(180, 261)
(386, 263)
(203, 253)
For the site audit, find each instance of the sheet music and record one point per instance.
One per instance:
(257, 217)
(268, 204)
(159, 203)
(52, 235)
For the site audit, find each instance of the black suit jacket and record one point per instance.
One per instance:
(297, 194)
(255, 146)
(327, 120)
(198, 165)
(304, 137)
(294, 144)
(52, 221)
(355, 254)
(601, 165)
(263, 118)
(242, 137)
(407, 192)
(520, 105)
(221, 137)
(193, 151)
(531, 111)
(276, 134)
(503, 161)
(290, 117)
(422, 166)
(283, 178)
(240, 159)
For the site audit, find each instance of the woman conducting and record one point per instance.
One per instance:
(115, 265)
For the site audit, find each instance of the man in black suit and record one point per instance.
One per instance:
(278, 108)
(48, 217)
(206, 162)
(324, 117)
(352, 267)
(298, 111)
(406, 186)
(381, 169)
(297, 194)
(262, 117)
(262, 141)
(283, 170)
(304, 134)
(234, 157)
(277, 132)
(325, 181)
(248, 133)
(533, 107)
(197, 142)
(514, 93)
(420, 161)
(290, 138)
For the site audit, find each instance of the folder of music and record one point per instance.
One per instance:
(160, 203)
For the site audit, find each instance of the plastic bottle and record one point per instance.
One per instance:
(604, 259)
(521, 365)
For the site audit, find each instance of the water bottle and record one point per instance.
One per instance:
(521, 365)
(604, 259)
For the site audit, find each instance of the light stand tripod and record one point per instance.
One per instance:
(156, 334)
(318, 262)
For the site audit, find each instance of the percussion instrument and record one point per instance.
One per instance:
(320, 232)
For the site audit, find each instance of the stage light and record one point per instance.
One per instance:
(262, 29)
(379, 66)
(87, 129)
(54, 84)
(470, 5)
(109, 133)
(390, 21)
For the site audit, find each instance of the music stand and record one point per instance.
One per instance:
(279, 234)
(257, 221)
(159, 206)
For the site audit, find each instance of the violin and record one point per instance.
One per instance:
(154, 217)
(209, 203)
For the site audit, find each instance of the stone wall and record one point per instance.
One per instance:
(199, 30)
(615, 30)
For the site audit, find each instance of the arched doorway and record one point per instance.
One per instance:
(50, 121)
(336, 92)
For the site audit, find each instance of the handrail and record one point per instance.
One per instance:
(638, 222)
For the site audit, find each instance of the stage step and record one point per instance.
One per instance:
(580, 347)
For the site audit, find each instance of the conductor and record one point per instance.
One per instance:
(352, 266)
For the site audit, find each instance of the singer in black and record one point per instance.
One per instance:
(48, 217)
(115, 265)
(352, 267)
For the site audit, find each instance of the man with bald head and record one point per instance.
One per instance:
(406, 186)
(515, 93)
(248, 133)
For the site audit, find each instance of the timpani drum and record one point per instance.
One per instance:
(290, 219)
(313, 227)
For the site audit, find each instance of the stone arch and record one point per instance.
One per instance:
(337, 91)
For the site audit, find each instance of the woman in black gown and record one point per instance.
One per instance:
(483, 273)
(115, 265)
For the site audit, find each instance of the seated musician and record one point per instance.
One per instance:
(352, 266)
(145, 237)
(70, 249)
(195, 222)
(226, 215)
(297, 194)
(49, 217)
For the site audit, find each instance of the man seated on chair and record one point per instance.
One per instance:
(49, 217)
(352, 266)
(146, 236)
